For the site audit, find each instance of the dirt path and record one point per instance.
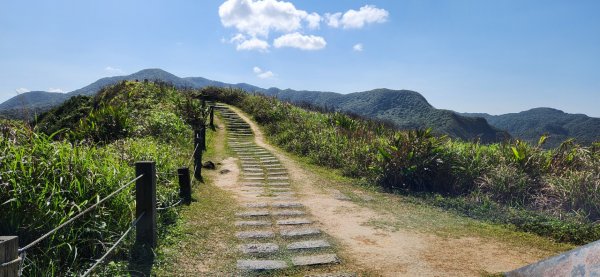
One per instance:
(402, 252)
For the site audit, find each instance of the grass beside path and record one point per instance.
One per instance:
(202, 243)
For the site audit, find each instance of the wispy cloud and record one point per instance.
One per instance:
(358, 47)
(353, 19)
(113, 70)
(22, 90)
(262, 74)
(56, 90)
(250, 44)
(297, 40)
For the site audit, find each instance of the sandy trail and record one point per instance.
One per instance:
(388, 253)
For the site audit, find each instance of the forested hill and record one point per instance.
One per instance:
(406, 109)
(558, 125)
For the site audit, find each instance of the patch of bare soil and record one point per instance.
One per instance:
(394, 253)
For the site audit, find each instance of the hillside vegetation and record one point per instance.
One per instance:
(557, 125)
(79, 153)
(554, 193)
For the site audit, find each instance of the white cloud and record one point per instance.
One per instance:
(262, 74)
(259, 17)
(22, 90)
(358, 47)
(297, 40)
(253, 44)
(55, 90)
(353, 19)
(111, 69)
(266, 75)
(333, 20)
(314, 20)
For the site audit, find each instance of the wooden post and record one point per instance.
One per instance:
(203, 137)
(212, 117)
(9, 256)
(197, 156)
(145, 198)
(185, 184)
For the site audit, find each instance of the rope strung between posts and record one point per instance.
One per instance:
(79, 215)
(171, 206)
(99, 261)
(192, 157)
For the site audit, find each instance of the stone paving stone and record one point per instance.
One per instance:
(254, 179)
(248, 168)
(308, 244)
(277, 178)
(288, 213)
(252, 213)
(256, 205)
(299, 232)
(282, 193)
(258, 248)
(254, 234)
(315, 259)
(287, 205)
(253, 184)
(336, 274)
(253, 174)
(279, 184)
(252, 223)
(261, 264)
(280, 189)
(298, 221)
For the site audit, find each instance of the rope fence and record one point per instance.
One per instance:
(112, 248)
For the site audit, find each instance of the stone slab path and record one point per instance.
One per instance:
(275, 230)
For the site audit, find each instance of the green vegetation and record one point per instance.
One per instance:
(82, 151)
(559, 126)
(548, 192)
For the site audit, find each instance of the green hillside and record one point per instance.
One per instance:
(78, 153)
(559, 126)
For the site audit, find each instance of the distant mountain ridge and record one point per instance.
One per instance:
(531, 124)
(407, 109)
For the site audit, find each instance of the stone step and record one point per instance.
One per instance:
(254, 234)
(308, 244)
(298, 221)
(279, 184)
(315, 260)
(256, 205)
(261, 264)
(288, 213)
(253, 213)
(287, 205)
(299, 232)
(258, 248)
(242, 223)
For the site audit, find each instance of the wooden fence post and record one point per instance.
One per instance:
(203, 137)
(9, 256)
(185, 184)
(197, 155)
(212, 116)
(145, 198)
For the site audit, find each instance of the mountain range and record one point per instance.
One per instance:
(406, 109)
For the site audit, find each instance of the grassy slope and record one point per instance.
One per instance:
(52, 179)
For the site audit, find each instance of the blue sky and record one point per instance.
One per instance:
(468, 56)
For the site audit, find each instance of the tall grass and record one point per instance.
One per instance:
(46, 178)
